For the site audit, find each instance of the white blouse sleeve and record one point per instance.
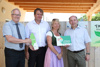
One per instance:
(49, 33)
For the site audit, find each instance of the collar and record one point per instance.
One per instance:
(14, 22)
(36, 23)
(76, 27)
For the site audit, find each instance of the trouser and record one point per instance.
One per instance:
(14, 58)
(37, 57)
(76, 59)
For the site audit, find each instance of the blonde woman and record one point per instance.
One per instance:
(53, 57)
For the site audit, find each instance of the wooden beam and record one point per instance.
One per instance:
(82, 5)
(57, 5)
(97, 11)
(89, 17)
(47, 4)
(41, 3)
(54, 1)
(54, 7)
(60, 11)
(74, 9)
(95, 8)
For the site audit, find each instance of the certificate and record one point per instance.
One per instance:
(34, 43)
(63, 40)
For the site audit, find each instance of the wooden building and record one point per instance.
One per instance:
(58, 6)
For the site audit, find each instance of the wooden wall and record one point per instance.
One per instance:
(94, 51)
(8, 8)
(2, 57)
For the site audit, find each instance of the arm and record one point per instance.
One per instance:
(87, 51)
(28, 45)
(87, 43)
(12, 39)
(49, 41)
(26, 52)
(26, 48)
(87, 47)
(61, 51)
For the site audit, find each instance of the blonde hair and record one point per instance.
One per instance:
(53, 21)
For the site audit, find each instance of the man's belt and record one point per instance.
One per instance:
(14, 50)
(76, 51)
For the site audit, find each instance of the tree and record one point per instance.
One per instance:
(83, 18)
(94, 18)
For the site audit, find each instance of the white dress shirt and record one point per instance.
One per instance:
(79, 37)
(39, 31)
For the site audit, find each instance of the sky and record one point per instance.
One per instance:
(29, 16)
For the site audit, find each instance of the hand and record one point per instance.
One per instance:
(28, 41)
(27, 44)
(59, 56)
(32, 48)
(87, 57)
(66, 46)
(27, 55)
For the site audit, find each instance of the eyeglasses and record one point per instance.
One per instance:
(16, 14)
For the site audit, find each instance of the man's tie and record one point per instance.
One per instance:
(19, 35)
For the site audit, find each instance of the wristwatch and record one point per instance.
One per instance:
(88, 53)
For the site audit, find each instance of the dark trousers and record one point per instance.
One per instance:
(37, 57)
(14, 58)
(76, 59)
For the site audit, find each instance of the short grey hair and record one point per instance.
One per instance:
(14, 10)
(73, 16)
